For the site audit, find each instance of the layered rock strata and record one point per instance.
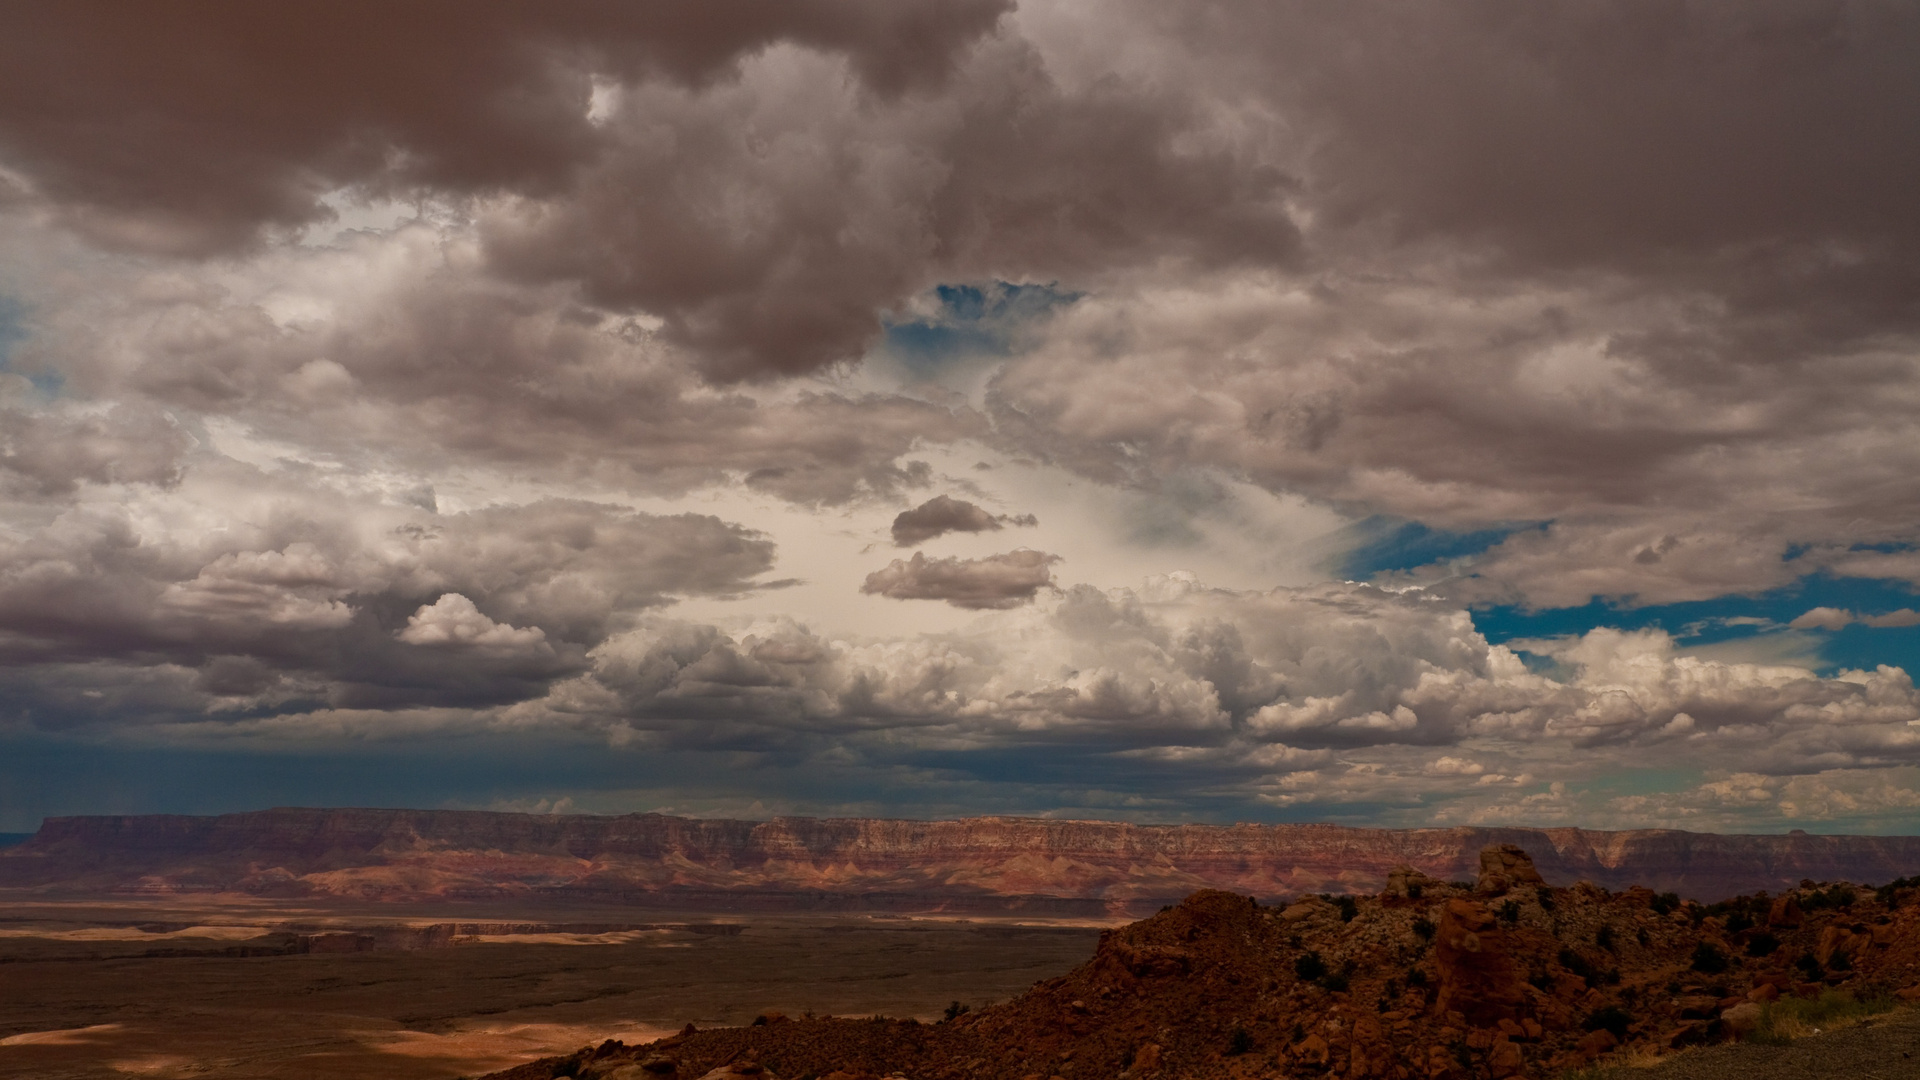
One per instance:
(1049, 866)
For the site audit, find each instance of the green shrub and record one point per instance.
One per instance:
(1603, 938)
(1665, 902)
(1309, 966)
(1510, 911)
(1839, 896)
(1708, 959)
(1238, 1041)
(1423, 928)
(1577, 964)
(1545, 896)
(1609, 1018)
(1762, 944)
(1348, 909)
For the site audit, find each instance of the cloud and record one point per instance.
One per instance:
(342, 598)
(53, 450)
(943, 514)
(396, 350)
(996, 581)
(208, 123)
(474, 374)
(452, 622)
(1829, 618)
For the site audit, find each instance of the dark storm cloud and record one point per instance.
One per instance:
(943, 514)
(355, 603)
(996, 581)
(186, 127)
(784, 214)
(1640, 275)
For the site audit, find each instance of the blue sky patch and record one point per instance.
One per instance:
(13, 331)
(1383, 544)
(1731, 618)
(972, 320)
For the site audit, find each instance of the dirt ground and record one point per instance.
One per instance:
(90, 995)
(1884, 1048)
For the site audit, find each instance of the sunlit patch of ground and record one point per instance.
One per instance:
(134, 933)
(61, 1036)
(484, 1047)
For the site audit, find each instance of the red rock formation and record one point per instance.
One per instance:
(1071, 865)
(1475, 966)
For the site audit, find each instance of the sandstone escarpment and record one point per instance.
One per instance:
(1058, 866)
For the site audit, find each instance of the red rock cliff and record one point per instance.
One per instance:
(406, 853)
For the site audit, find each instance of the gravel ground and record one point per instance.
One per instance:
(1884, 1048)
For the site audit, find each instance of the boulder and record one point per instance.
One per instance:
(1406, 883)
(1146, 1061)
(1504, 867)
(1312, 1050)
(736, 1070)
(1305, 909)
(1595, 1043)
(1742, 1018)
(1785, 912)
(1839, 940)
(1505, 1059)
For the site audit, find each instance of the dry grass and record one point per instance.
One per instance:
(1796, 1018)
(1624, 1066)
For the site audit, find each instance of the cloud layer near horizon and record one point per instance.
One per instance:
(578, 369)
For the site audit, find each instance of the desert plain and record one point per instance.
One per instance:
(92, 991)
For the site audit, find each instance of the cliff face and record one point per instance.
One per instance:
(974, 862)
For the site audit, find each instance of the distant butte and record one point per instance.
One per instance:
(1038, 866)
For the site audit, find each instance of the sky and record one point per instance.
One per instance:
(1254, 410)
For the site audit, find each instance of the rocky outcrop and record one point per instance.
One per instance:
(1449, 986)
(1474, 965)
(1045, 866)
(1504, 867)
